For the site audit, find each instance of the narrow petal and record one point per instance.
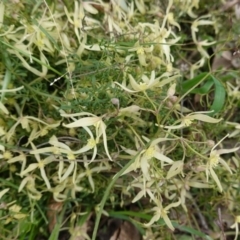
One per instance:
(54, 141)
(167, 221)
(138, 196)
(94, 154)
(162, 157)
(131, 168)
(225, 165)
(175, 127)
(215, 178)
(23, 183)
(83, 149)
(224, 151)
(158, 140)
(91, 183)
(152, 79)
(68, 172)
(63, 114)
(125, 88)
(3, 192)
(44, 176)
(60, 169)
(175, 169)
(153, 220)
(20, 158)
(83, 122)
(205, 118)
(129, 151)
(168, 80)
(105, 141)
(145, 167)
(30, 168)
(3, 108)
(171, 205)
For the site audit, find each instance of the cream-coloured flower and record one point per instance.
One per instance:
(183, 186)
(20, 158)
(147, 83)
(200, 48)
(89, 172)
(25, 122)
(15, 213)
(214, 159)
(29, 183)
(145, 156)
(146, 189)
(41, 164)
(196, 66)
(233, 90)
(187, 120)
(3, 91)
(199, 22)
(85, 122)
(78, 18)
(141, 52)
(57, 149)
(161, 212)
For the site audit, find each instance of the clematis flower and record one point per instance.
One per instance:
(214, 159)
(38, 130)
(147, 83)
(41, 164)
(141, 52)
(3, 91)
(57, 149)
(145, 189)
(91, 144)
(29, 182)
(88, 172)
(200, 48)
(199, 22)
(183, 186)
(20, 158)
(161, 212)
(143, 159)
(78, 18)
(171, 20)
(233, 91)
(84, 122)
(196, 66)
(15, 214)
(187, 120)
(25, 122)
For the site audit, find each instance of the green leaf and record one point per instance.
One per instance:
(219, 97)
(190, 86)
(55, 232)
(147, 217)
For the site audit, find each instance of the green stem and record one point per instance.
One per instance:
(197, 153)
(106, 194)
(37, 92)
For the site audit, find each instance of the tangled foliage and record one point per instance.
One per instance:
(104, 103)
